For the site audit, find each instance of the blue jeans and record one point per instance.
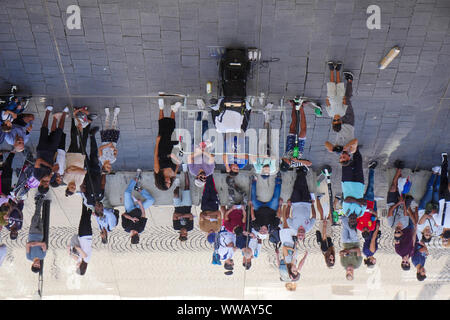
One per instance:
(369, 194)
(273, 203)
(432, 192)
(128, 199)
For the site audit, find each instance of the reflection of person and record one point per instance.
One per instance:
(443, 217)
(107, 221)
(80, 247)
(227, 247)
(418, 259)
(36, 248)
(74, 172)
(404, 240)
(210, 219)
(323, 238)
(134, 219)
(163, 167)
(183, 220)
(201, 164)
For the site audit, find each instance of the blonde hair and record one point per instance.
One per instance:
(291, 286)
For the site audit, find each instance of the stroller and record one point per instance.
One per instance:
(232, 112)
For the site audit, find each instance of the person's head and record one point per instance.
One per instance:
(265, 171)
(183, 234)
(13, 233)
(56, 180)
(301, 232)
(445, 237)
(238, 230)
(6, 126)
(71, 188)
(19, 144)
(163, 181)
(263, 230)
(134, 237)
(365, 233)
(200, 179)
(45, 182)
(352, 222)
(293, 271)
(349, 271)
(344, 158)
(405, 263)
(330, 257)
(426, 235)
(337, 123)
(421, 273)
(370, 262)
(104, 236)
(42, 189)
(36, 265)
(98, 209)
(247, 258)
(284, 166)
(211, 237)
(228, 264)
(234, 169)
(291, 286)
(431, 208)
(81, 269)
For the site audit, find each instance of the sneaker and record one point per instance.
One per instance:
(373, 164)
(138, 175)
(338, 66)
(116, 111)
(330, 65)
(378, 198)
(107, 111)
(49, 108)
(161, 104)
(444, 157)
(399, 164)
(348, 75)
(185, 167)
(66, 109)
(436, 170)
(14, 89)
(94, 130)
(175, 106)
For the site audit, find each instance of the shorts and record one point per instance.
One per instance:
(19, 120)
(335, 90)
(392, 198)
(290, 144)
(166, 127)
(185, 200)
(49, 142)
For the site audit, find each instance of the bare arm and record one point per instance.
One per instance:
(374, 240)
(155, 156)
(329, 146)
(351, 146)
(313, 210)
(300, 264)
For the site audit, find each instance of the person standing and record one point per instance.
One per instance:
(80, 247)
(109, 137)
(36, 249)
(351, 258)
(183, 220)
(210, 220)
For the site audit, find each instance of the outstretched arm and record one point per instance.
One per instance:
(301, 263)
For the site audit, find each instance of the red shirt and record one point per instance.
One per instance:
(365, 221)
(234, 220)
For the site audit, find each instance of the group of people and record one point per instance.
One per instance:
(250, 214)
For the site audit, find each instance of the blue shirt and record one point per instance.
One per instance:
(418, 257)
(366, 246)
(36, 251)
(355, 190)
(108, 221)
(10, 137)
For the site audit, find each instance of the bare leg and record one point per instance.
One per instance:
(172, 115)
(107, 121)
(394, 184)
(331, 75)
(62, 120)
(293, 126)
(45, 122)
(319, 208)
(338, 76)
(186, 180)
(302, 123)
(55, 120)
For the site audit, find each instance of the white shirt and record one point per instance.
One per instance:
(226, 238)
(108, 221)
(435, 228)
(286, 236)
(85, 243)
(229, 121)
(301, 213)
(61, 161)
(254, 245)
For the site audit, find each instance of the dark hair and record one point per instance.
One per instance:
(238, 230)
(369, 263)
(421, 277)
(160, 182)
(35, 269)
(337, 127)
(345, 163)
(446, 234)
(13, 233)
(43, 190)
(406, 267)
(284, 166)
(82, 268)
(233, 173)
(135, 239)
(425, 239)
(182, 238)
(353, 225)
(105, 239)
(365, 234)
(228, 266)
(68, 193)
(247, 265)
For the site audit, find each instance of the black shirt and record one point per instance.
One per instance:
(183, 210)
(265, 216)
(183, 223)
(93, 184)
(129, 225)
